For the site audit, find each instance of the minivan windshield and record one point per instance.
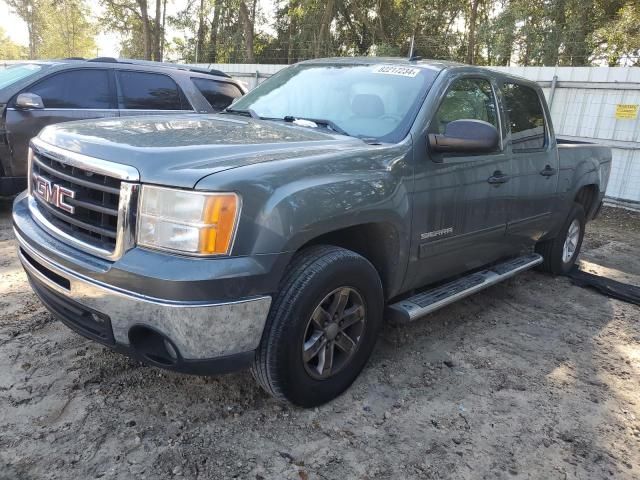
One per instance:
(377, 101)
(12, 74)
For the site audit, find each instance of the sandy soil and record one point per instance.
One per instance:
(534, 378)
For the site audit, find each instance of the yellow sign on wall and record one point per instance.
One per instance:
(626, 111)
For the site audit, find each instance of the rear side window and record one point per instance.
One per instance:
(525, 117)
(218, 94)
(76, 89)
(150, 91)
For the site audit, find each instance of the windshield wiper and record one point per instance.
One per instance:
(330, 124)
(247, 113)
(318, 121)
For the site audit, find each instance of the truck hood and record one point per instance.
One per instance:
(179, 150)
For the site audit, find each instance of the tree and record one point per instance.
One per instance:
(56, 28)
(67, 30)
(483, 32)
(30, 12)
(10, 50)
(618, 41)
(143, 34)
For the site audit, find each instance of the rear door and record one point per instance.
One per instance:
(149, 93)
(68, 95)
(460, 213)
(535, 163)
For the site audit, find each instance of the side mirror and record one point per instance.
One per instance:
(28, 101)
(466, 136)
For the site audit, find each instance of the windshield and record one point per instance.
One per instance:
(368, 101)
(11, 75)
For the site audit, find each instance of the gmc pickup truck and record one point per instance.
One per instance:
(279, 234)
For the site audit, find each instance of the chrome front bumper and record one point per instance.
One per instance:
(200, 331)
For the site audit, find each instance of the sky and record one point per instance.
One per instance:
(108, 44)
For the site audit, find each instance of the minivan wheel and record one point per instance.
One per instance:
(561, 253)
(322, 326)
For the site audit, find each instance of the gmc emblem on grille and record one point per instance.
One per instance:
(54, 194)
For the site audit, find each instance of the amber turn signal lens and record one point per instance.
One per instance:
(220, 217)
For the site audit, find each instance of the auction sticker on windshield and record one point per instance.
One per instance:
(397, 70)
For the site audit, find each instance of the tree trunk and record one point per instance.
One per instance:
(164, 16)
(213, 36)
(471, 48)
(247, 25)
(146, 31)
(200, 34)
(325, 23)
(158, 32)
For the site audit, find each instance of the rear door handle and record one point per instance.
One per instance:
(548, 171)
(497, 178)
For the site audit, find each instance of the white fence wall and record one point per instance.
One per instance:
(583, 106)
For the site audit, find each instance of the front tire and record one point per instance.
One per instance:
(561, 253)
(322, 326)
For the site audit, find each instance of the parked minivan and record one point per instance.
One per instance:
(40, 93)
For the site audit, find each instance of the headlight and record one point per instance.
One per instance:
(197, 223)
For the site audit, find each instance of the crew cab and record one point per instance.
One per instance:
(279, 234)
(35, 94)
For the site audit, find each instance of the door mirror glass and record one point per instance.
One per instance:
(465, 136)
(29, 101)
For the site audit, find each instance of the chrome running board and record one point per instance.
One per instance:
(426, 302)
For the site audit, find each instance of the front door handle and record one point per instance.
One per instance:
(548, 171)
(498, 178)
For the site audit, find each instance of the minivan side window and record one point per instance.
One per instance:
(466, 99)
(76, 89)
(150, 91)
(218, 94)
(525, 117)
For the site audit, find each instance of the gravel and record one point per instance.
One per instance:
(533, 378)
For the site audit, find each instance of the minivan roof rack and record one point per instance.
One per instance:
(105, 60)
(179, 66)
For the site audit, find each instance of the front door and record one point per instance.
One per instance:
(69, 95)
(460, 201)
(535, 164)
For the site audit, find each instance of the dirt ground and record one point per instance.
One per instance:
(534, 378)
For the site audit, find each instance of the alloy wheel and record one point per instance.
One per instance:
(333, 333)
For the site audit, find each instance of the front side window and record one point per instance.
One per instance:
(525, 117)
(150, 91)
(368, 101)
(75, 89)
(218, 94)
(466, 99)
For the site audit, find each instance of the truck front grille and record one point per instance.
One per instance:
(95, 216)
(94, 204)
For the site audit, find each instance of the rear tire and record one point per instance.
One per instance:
(560, 253)
(301, 322)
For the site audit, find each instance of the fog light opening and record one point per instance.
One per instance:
(153, 346)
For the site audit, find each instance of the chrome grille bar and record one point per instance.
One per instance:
(98, 226)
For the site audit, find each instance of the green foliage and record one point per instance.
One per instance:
(67, 30)
(10, 50)
(618, 41)
(485, 32)
(57, 28)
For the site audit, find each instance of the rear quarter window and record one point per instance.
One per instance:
(218, 94)
(525, 117)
